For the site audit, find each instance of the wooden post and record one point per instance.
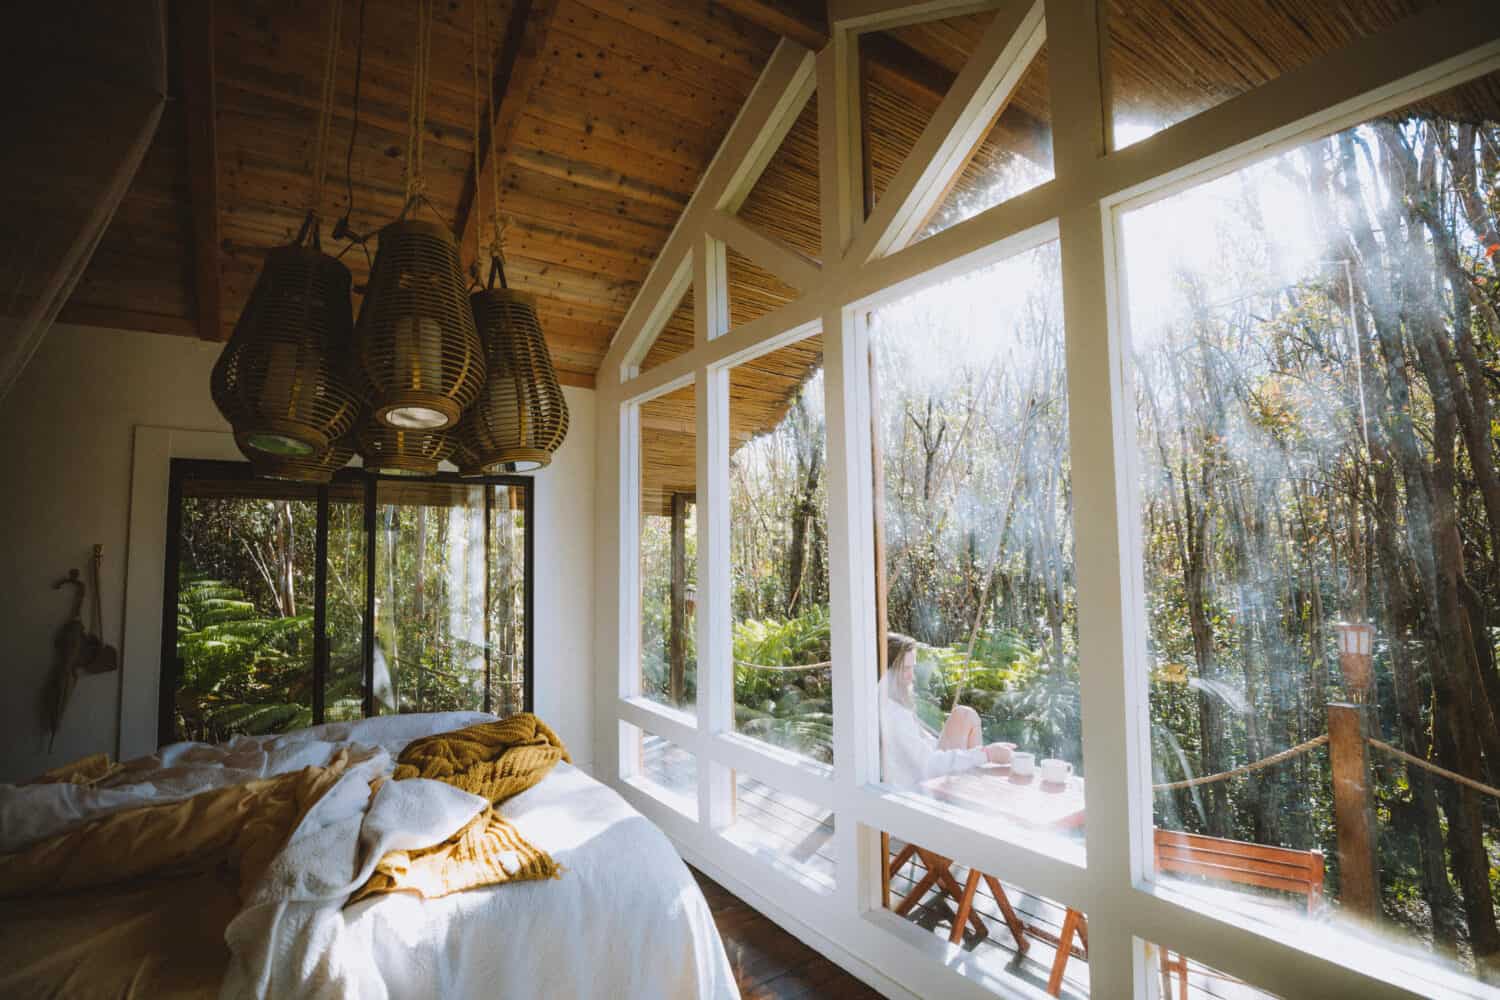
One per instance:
(677, 641)
(1354, 815)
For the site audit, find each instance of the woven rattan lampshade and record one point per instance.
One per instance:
(418, 356)
(399, 452)
(464, 456)
(317, 468)
(521, 417)
(279, 381)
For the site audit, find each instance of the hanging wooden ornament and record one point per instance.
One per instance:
(521, 417)
(279, 382)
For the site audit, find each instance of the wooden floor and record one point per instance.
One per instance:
(769, 963)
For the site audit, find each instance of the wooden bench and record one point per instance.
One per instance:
(1281, 868)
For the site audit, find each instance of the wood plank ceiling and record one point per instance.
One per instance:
(610, 113)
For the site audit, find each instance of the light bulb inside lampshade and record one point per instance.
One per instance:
(417, 418)
(278, 444)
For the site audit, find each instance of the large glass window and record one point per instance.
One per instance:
(271, 621)
(1314, 343)
(779, 551)
(668, 543)
(979, 703)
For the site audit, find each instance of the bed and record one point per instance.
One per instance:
(624, 919)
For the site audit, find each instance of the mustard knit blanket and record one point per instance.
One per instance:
(495, 760)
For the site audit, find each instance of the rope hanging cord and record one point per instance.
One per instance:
(416, 123)
(1478, 786)
(325, 113)
(1275, 758)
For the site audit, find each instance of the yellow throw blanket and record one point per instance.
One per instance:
(242, 825)
(495, 760)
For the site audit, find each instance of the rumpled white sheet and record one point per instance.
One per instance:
(624, 920)
(29, 813)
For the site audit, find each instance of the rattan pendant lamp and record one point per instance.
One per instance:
(419, 358)
(280, 381)
(520, 417)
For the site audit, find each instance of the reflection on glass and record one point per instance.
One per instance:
(660, 768)
(1314, 340)
(343, 691)
(1014, 156)
(668, 548)
(778, 498)
(1182, 978)
(507, 590)
(1167, 60)
(429, 597)
(1007, 933)
(979, 704)
(788, 832)
(245, 580)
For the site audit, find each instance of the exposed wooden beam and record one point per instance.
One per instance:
(195, 47)
(803, 22)
(517, 66)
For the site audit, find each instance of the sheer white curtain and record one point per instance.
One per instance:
(87, 82)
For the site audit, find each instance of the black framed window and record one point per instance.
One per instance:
(288, 605)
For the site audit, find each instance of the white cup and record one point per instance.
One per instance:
(1055, 772)
(1007, 751)
(1022, 763)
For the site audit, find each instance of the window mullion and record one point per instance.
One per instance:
(320, 609)
(1119, 820)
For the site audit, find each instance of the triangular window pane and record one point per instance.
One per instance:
(1014, 156)
(905, 73)
(783, 203)
(753, 291)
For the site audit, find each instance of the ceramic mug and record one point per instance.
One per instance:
(1056, 771)
(1022, 763)
(1007, 751)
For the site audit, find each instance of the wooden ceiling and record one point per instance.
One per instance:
(605, 114)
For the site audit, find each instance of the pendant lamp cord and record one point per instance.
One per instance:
(497, 227)
(325, 115)
(342, 229)
(416, 125)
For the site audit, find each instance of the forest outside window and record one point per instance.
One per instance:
(979, 701)
(778, 497)
(668, 548)
(1314, 340)
(272, 622)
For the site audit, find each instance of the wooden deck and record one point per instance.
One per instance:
(796, 837)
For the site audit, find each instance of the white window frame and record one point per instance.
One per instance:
(1427, 53)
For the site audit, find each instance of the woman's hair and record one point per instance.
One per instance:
(896, 647)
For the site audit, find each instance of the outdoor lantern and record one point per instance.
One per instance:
(279, 381)
(419, 358)
(1356, 657)
(690, 598)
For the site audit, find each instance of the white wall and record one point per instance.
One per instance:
(66, 434)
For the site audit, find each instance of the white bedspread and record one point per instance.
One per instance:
(624, 920)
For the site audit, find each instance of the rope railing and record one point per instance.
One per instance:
(1462, 779)
(1275, 758)
(768, 666)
